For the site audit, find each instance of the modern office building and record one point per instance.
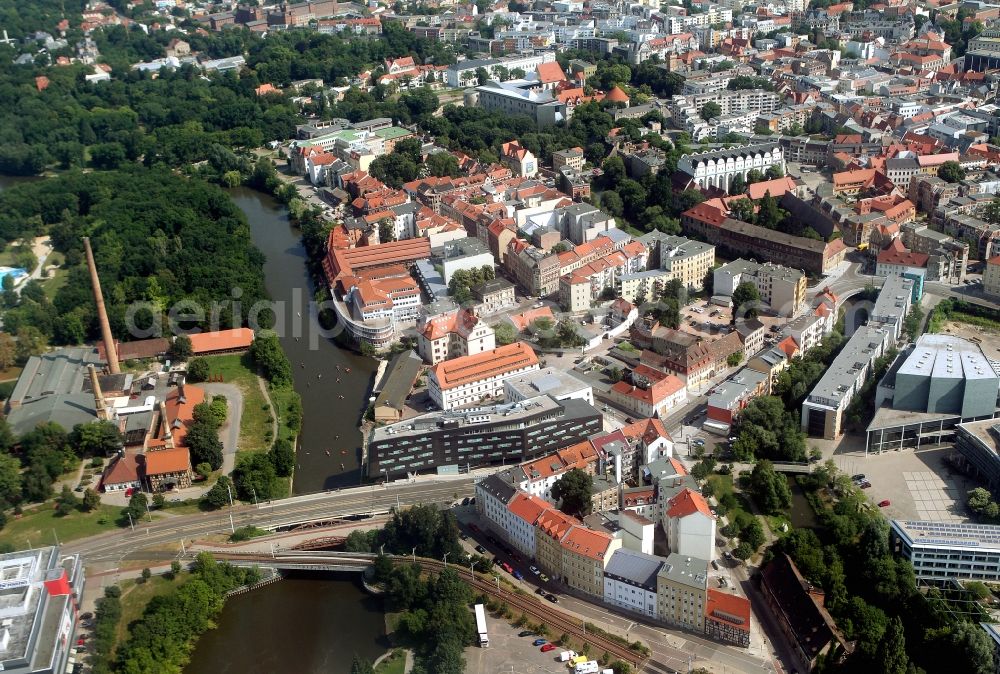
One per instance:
(942, 551)
(931, 388)
(978, 444)
(823, 409)
(39, 603)
(508, 433)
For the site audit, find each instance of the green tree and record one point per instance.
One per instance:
(504, 333)
(951, 171)
(283, 458)
(268, 355)
(738, 185)
(361, 666)
(769, 488)
(971, 649)
(573, 491)
(742, 209)
(198, 370)
(91, 500)
(711, 110)
(743, 551)
(753, 534)
(443, 164)
(136, 508)
(218, 496)
(10, 480)
(775, 172)
(175, 568)
(66, 502)
(180, 349)
(203, 440)
(146, 575)
(255, 477)
(746, 299)
(98, 438)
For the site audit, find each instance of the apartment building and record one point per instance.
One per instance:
(690, 525)
(585, 553)
(685, 259)
(644, 284)
(463, 73)
(783, 289)
(630, 581)
(454, 334)
(542, 107)
(717, 168)
(493, 296)
(469, 380)
(727, 618)
(648, 393)
(681, 586)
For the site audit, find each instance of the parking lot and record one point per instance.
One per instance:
(508, 653)
(918, 485)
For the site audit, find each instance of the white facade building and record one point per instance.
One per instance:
(630, 581)
(717, 168)
(690, 525)
(548, 381)
(470, 380)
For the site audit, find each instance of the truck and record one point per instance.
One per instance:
(588, 667)
(484, 639)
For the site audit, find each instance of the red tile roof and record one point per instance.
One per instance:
(728, 608)
(177, 460)
(528, 507)
(550, 72)
(616, 95)
(469, 369)
(122, 471)
(688, 502)
(586, 542)
(221, 340)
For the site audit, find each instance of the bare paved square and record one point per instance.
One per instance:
(509, 653)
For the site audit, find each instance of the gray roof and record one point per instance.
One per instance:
(689, 571)
(497, 487)
(734, 152)
(472, 64)
(65, 409)
(548, 381)
(492, 286)
(399, 380)
(55, 372)
(635, 568)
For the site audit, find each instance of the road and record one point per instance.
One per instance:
(231, 430)
(127, 544)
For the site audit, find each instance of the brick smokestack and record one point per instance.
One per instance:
(110, 352)
(102, 410)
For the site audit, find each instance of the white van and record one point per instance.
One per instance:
(589, 667)
(566, 656)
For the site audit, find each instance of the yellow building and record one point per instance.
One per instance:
(552, 525)
(585, 553)
(681, 589)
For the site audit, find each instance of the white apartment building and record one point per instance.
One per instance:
(690, 525)
(630, 581)
(642, 284)
(717, 168)
(524, 510)
(463, 73)
(470, 380)
(493, 495)
(453, 334)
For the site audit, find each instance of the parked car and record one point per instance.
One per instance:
(464, 536)
(544, 578)
(727, 554)
(884, 504)
(534, 570)
(473, 527)
(859, 477)
(866, 484)
(540, 642)
(526, 633)
(86, 616)
(506, 567)
(480, 549)
(552, 598)
(539, 590)
(548, 647)
(517, 574)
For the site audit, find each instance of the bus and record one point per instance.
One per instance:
(484, 639)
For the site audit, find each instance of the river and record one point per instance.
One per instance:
(333, 401)
(306, 624)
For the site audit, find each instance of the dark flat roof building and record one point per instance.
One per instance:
(508, 433)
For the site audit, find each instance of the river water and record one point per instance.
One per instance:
(306, 624)
(331, 409)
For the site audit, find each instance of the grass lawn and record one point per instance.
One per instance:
(53, 283)
(136, 595)
(393, 664)
(256, 421)
(282, 398)
(36, 525)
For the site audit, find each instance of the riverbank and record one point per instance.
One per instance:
(334, 383)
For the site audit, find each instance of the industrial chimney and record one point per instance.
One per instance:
(102, 410)
(165, 424)
(102, 314)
